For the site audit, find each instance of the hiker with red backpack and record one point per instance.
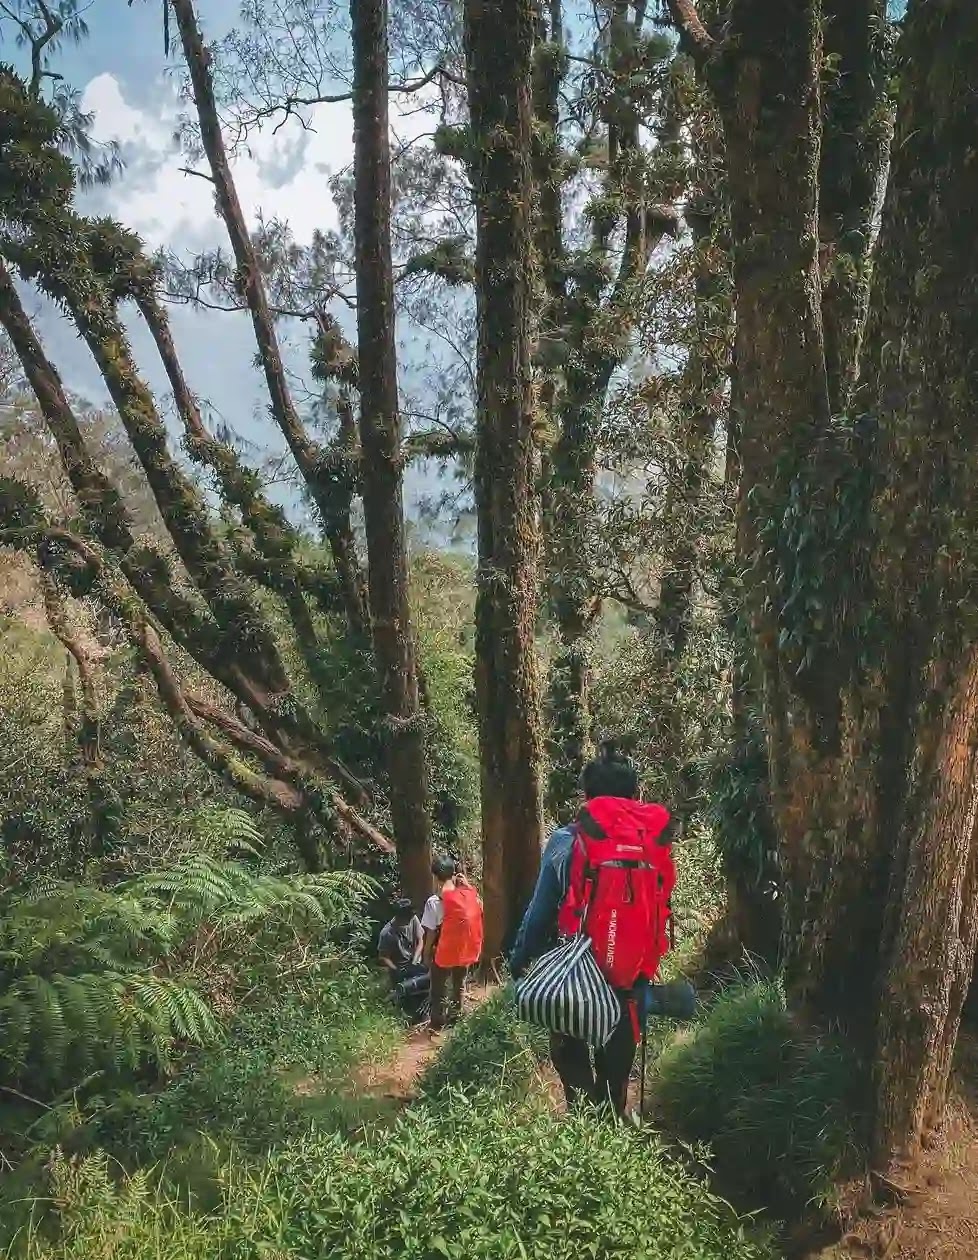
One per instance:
(604, 890)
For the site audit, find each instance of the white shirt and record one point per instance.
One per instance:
(434, 913)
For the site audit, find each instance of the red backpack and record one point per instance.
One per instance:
(621, 882)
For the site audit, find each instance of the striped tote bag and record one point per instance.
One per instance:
(566, 993)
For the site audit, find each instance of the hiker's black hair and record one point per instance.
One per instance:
(443, 867)
(610, 773)
(403, 909)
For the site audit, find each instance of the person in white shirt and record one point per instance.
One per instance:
(433, 915)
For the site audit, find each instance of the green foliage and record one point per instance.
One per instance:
(104, 979)
(457, 1179)
(741, 810)
(490, 1050)
(443, 593)
(674, 723)
(777, 1105)
(45, 822)
(817, 536)
(282, 1067)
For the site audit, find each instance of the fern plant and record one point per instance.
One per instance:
(95, 979)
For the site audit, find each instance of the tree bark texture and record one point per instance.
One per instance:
(855, 150)
(380, 440)
(862, 539)
(97, 495)
(767, 86)
(499, 46)
(921, 375)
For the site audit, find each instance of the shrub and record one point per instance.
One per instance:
(490, 1049)
(483, 1182)
(775, 1104)
(282, 1067)
(149, 775)
(99, 979)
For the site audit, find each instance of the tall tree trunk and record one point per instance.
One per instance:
(705, 377)
(765, 78)
(863, 603)
(380, 439)
(921, 384)
(499, 47)
(805, 668)
(768, 89)
(597, 325)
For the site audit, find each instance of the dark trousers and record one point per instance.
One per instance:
(607, 1080)
(443, 980)
(410, 985)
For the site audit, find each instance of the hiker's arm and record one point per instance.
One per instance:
(540, 921)
(387, 962)
(428, 948)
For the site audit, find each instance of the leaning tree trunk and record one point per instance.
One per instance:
(312, 460)
(499, 43)
(380, 438)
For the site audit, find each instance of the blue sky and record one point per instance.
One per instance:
(123, 74)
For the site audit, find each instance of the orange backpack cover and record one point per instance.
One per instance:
(461, 936)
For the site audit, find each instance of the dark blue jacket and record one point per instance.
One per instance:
(538, 931)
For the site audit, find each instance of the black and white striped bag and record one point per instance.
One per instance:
(566, 992)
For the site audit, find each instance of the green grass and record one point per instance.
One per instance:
(286, 1065)
(485, 1181)
(490, 1049)
(777, 1105)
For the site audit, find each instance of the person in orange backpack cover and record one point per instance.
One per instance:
(453, 936)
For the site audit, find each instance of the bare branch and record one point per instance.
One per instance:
(189, 170)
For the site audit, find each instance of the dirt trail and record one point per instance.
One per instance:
(938, 1219)
(397, 1079)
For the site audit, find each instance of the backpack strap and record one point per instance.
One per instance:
(589, 876)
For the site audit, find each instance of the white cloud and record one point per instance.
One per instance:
(165, 205)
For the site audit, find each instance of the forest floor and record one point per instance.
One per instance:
(396, 1079)
(938, 1216)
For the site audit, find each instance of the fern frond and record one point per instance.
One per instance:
(221, 830)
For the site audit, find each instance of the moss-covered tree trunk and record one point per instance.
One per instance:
(854, 154)
(380, 439)
(805, 667)
(499, 46)
(921, 384)
(595, 321)
(767, 83)
(316, 465)
(862, 538)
